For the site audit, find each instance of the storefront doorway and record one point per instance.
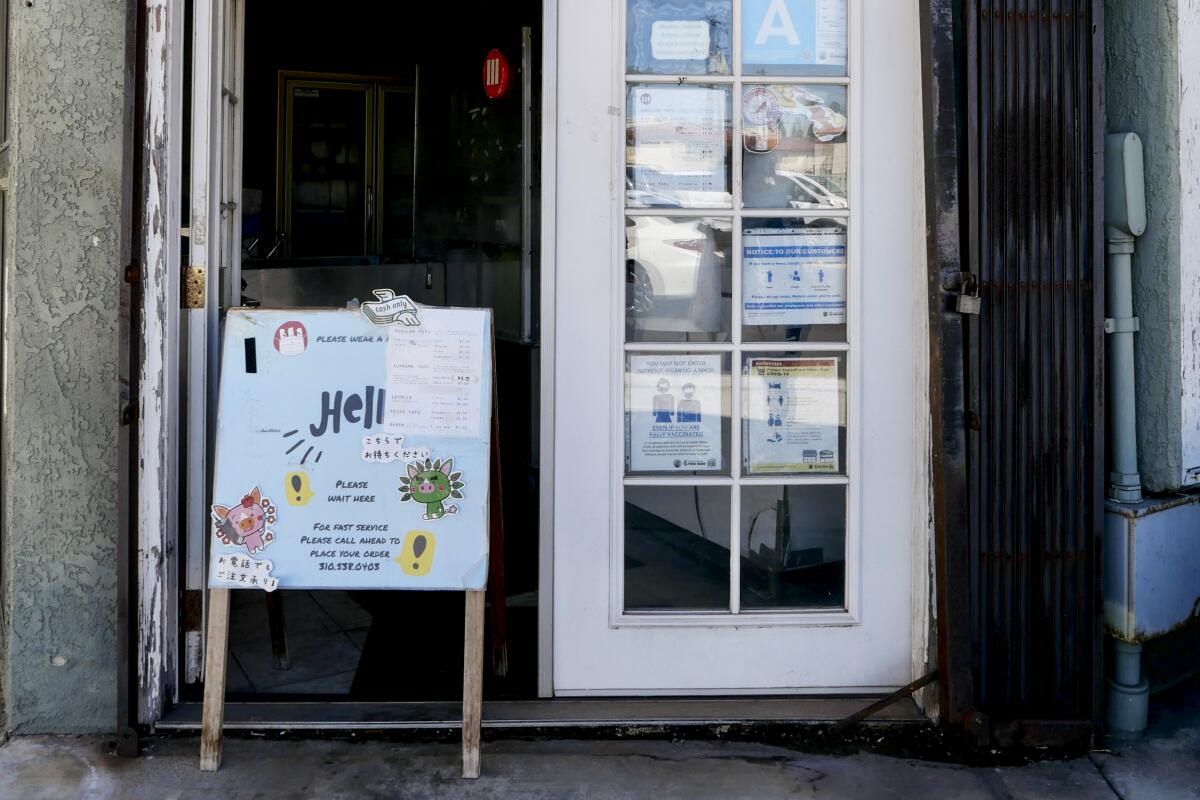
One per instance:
(714, 429)
(367, 153)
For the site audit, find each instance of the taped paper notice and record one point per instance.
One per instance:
(680, 40)
(243, 572)
(433, 379)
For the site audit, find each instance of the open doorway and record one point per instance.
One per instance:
(373, 157)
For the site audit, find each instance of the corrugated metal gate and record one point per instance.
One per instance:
(1018, 478)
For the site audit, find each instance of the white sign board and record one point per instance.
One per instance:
(353, 450)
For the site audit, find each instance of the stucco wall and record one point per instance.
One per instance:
(1143, 96)
(1189, 251)
(59, 602)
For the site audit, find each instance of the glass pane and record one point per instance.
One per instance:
(677, 408)
(793, 547)
(794, 139)
(677, 146)
(328, 171)
(396, 195)
(677, 279)
(793, 37)
(676, 548)
(679, 37)
(794, 280)
(795, 414)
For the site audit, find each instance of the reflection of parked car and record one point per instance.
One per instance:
(815, 190)
(673, 272)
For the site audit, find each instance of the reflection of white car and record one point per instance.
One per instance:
(674, 272)
(815, 191)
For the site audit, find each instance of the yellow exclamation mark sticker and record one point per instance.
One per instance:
(297, 489)
(417, 556)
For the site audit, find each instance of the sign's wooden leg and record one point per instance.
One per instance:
(215, 657)
(472, 683)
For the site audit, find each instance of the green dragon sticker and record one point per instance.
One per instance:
(432, 483)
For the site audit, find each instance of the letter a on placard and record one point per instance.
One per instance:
(778, 22)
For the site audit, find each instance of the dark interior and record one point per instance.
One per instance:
(374, 158)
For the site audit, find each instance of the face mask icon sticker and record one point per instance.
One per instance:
(296, 488)
(417, 556)
(291, 339)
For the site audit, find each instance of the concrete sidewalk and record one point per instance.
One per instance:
(1163, 766)
(59, 768)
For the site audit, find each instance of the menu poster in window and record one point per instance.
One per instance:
(677, 139)
(352, 453)
(674, 420)
(793, 411)
(778, 34)
(794, 276)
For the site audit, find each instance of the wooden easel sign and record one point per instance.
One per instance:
(353, 452)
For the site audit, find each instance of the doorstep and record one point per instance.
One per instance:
(544, 714)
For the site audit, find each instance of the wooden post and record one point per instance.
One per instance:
(472, 683)
(215, 657)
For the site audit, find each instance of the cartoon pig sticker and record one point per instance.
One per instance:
(246, 523)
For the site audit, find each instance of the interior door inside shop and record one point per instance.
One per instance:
(374, 158)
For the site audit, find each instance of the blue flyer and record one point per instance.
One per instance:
(785, 36)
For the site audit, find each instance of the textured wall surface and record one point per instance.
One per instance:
(1189, 251)
(1143, 96)
(63, 267)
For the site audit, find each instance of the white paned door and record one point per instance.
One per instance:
(738, 346)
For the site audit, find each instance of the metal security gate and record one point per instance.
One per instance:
(1018, 484)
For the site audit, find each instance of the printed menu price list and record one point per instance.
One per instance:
(434, 380)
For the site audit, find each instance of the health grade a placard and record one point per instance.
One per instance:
(352, 451)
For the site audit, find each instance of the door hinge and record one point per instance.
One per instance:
(195, 286)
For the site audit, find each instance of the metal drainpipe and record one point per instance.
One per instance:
(1125, 484)
(1124, 221)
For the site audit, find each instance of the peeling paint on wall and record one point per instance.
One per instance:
(61, 427)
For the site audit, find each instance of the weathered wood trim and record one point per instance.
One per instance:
(158, 401)
(942, 101)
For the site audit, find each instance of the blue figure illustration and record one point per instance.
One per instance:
(820, 276)
(689, 406)
(664, 402)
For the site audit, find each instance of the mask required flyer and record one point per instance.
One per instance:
(674, 418)
(794, 276)
(794, 413)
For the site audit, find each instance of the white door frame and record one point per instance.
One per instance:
(547, 269)
(215, 234)
(593, 149)
(158, 383)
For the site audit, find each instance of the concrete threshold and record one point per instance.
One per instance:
(542, 714)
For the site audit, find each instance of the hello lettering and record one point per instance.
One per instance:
(365, 409)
